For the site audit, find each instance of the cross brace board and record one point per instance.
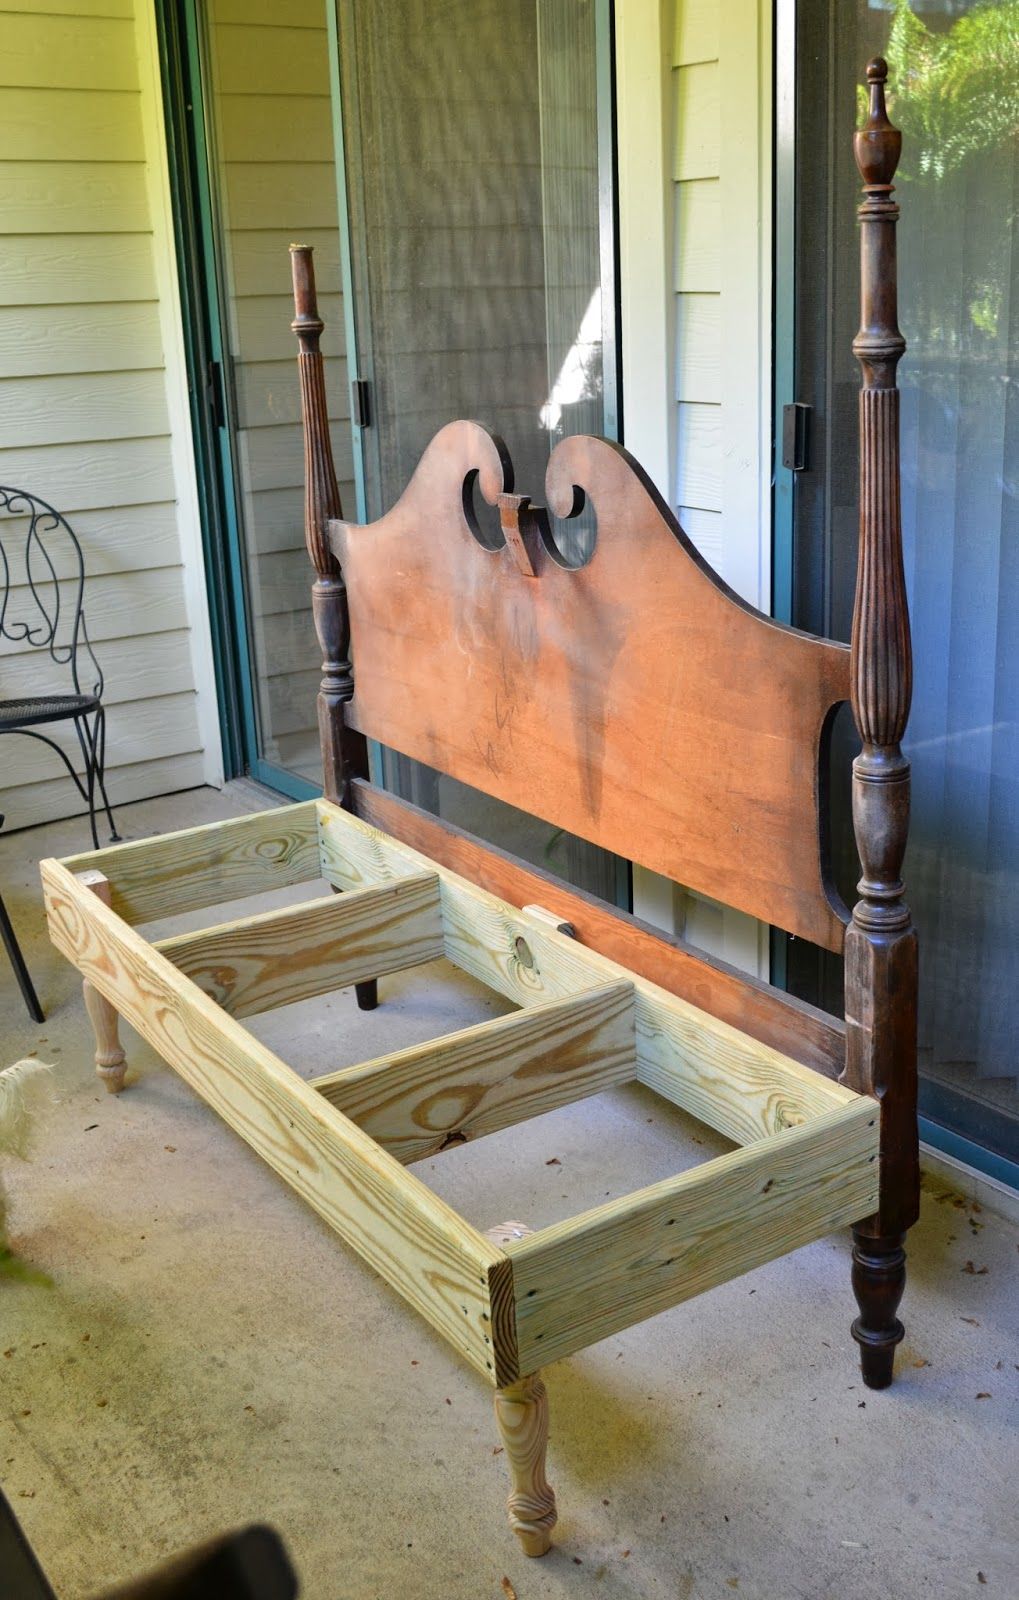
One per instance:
(807, 1162)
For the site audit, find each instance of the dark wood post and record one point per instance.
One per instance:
(880, 952)
(344, 751)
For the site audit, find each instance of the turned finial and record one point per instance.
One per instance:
(322, 494)
(878, 145)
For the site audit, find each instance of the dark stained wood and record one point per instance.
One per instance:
(344, 752)
(635, 701)
(880, 952)
(801, 1031)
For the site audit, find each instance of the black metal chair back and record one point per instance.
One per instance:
(42, 590)
(43, 568)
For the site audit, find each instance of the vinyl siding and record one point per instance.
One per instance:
(84, 416)
(722, 321)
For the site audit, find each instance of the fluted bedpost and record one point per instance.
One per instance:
(344, 753)
(880, 952)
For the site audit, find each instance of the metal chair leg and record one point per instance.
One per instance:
(101, 774)
(17, 961)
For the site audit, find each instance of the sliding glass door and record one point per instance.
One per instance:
(479, 189)
(954, 81)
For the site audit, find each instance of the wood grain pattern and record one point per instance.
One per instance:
(790, 1026)
(881, 945)
(734, 1083)
(111, 1062)
(436, 1261)
(581, 1280)
(196, 867)
(295, 952)
(636, 685)
(521, 1412)
(419, 1101)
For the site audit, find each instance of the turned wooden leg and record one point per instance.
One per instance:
(521, 1411)
(367, 994)
(879, 1277)
(111, 1062)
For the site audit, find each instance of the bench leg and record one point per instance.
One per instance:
(879, 1277)
(111, 1062)
(521, 1411)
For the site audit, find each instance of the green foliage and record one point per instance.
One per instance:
(953, 94)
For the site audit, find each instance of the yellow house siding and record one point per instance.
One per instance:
(696, 167)
(83, 389)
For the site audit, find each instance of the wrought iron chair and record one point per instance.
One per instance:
(49, 575)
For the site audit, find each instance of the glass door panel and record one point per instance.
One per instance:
(479, 187)
(272, 178)
(954, 82)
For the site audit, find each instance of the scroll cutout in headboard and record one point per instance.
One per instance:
(635, 701)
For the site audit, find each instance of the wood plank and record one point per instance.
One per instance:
(76, 268)
(266, 13)
(448, 1272)
(294, 200)
(67, 52)
(115, 539)
(707, 530)
(270, 61)
(197, 867)
(273, 457)
(730, 1081)
(139, 602)
(262, 326)
(48, 124)
(74, 196)
(275, 127)
(41, 339)
(114, 472)
(295, 952)
(48, 801)
(419, 1101)
(696, 32)
(71, 408)
(699, 458)
(698, 122)
(261, 262)
(136, 669)
(699, 348)
(810, 1036)
(698, 236)
(137, 730)
(78, 8)
(268, 392)
(583, 1279)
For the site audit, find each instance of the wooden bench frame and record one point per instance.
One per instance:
(602, 1000)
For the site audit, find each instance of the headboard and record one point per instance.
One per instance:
(635, 700)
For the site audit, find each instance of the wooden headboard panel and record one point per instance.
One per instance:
(635, 701)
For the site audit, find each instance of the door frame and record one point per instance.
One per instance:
(213, 416)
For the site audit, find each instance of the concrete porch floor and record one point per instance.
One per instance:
(210, 1354)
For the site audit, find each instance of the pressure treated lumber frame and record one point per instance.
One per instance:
(808, 1162)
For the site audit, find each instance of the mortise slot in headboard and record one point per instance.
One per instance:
(635, 701)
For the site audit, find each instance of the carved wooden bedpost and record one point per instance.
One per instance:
(344, 752)
(881, 958)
